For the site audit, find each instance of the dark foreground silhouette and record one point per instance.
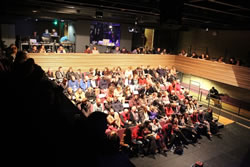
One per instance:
(39, 123)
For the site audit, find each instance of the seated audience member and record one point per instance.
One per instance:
(187, 128)
(134, 101)
(238, 63)
(124, 116)
(161, 71)
(42, 49)
(50, 74)
(124, 51)
(142, 80)
(143, 114)
(149, 138)
(90, 94)
(204, 123)
(149, 89)
(202, 56)
(70, 94)
(197, 125)
(94, 80)
(61, 49)
(95, 50)
(70, 73)
(164, 52)
(158, 51)
(208, 116)
(34, 49)
(117, 50)
(134, 116)
(11, 52)
(118, 92)
(221, 59)
(169, 109)
(73, 83)
(85, 83)
(104, 83)
(60, 75)
(87, 49)
(232, 61)
(117, 105)
(79, 75)
(108, 104)
(207, 57)
(64, 84)
(183, 53)
(194, 55)
(113, 119)
(84, 107)
(80, 95)
(98, 106)
(158, 135)
(153, 113)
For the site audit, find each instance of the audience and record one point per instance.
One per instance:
(42, 49)
(138, 100)
(34, 49)
(95, 50)
(87, 49)
(61, 49)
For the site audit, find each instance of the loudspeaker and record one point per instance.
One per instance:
(171, 13)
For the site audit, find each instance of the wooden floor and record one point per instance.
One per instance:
(223, 120)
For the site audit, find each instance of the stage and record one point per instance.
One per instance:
(231, 150)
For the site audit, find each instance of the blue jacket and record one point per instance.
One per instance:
(74, 85)
(84, 85)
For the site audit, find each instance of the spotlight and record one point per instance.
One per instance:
(55, 22)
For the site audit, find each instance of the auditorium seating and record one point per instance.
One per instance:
(225, 73)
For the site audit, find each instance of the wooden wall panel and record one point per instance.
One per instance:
(86, 61)
(225, 73)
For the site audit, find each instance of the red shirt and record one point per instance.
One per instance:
(169, 111)
(194, 118)
(142, 81)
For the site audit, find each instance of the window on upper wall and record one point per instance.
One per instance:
(103, 33)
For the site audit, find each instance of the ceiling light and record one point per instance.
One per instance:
(34, 11)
